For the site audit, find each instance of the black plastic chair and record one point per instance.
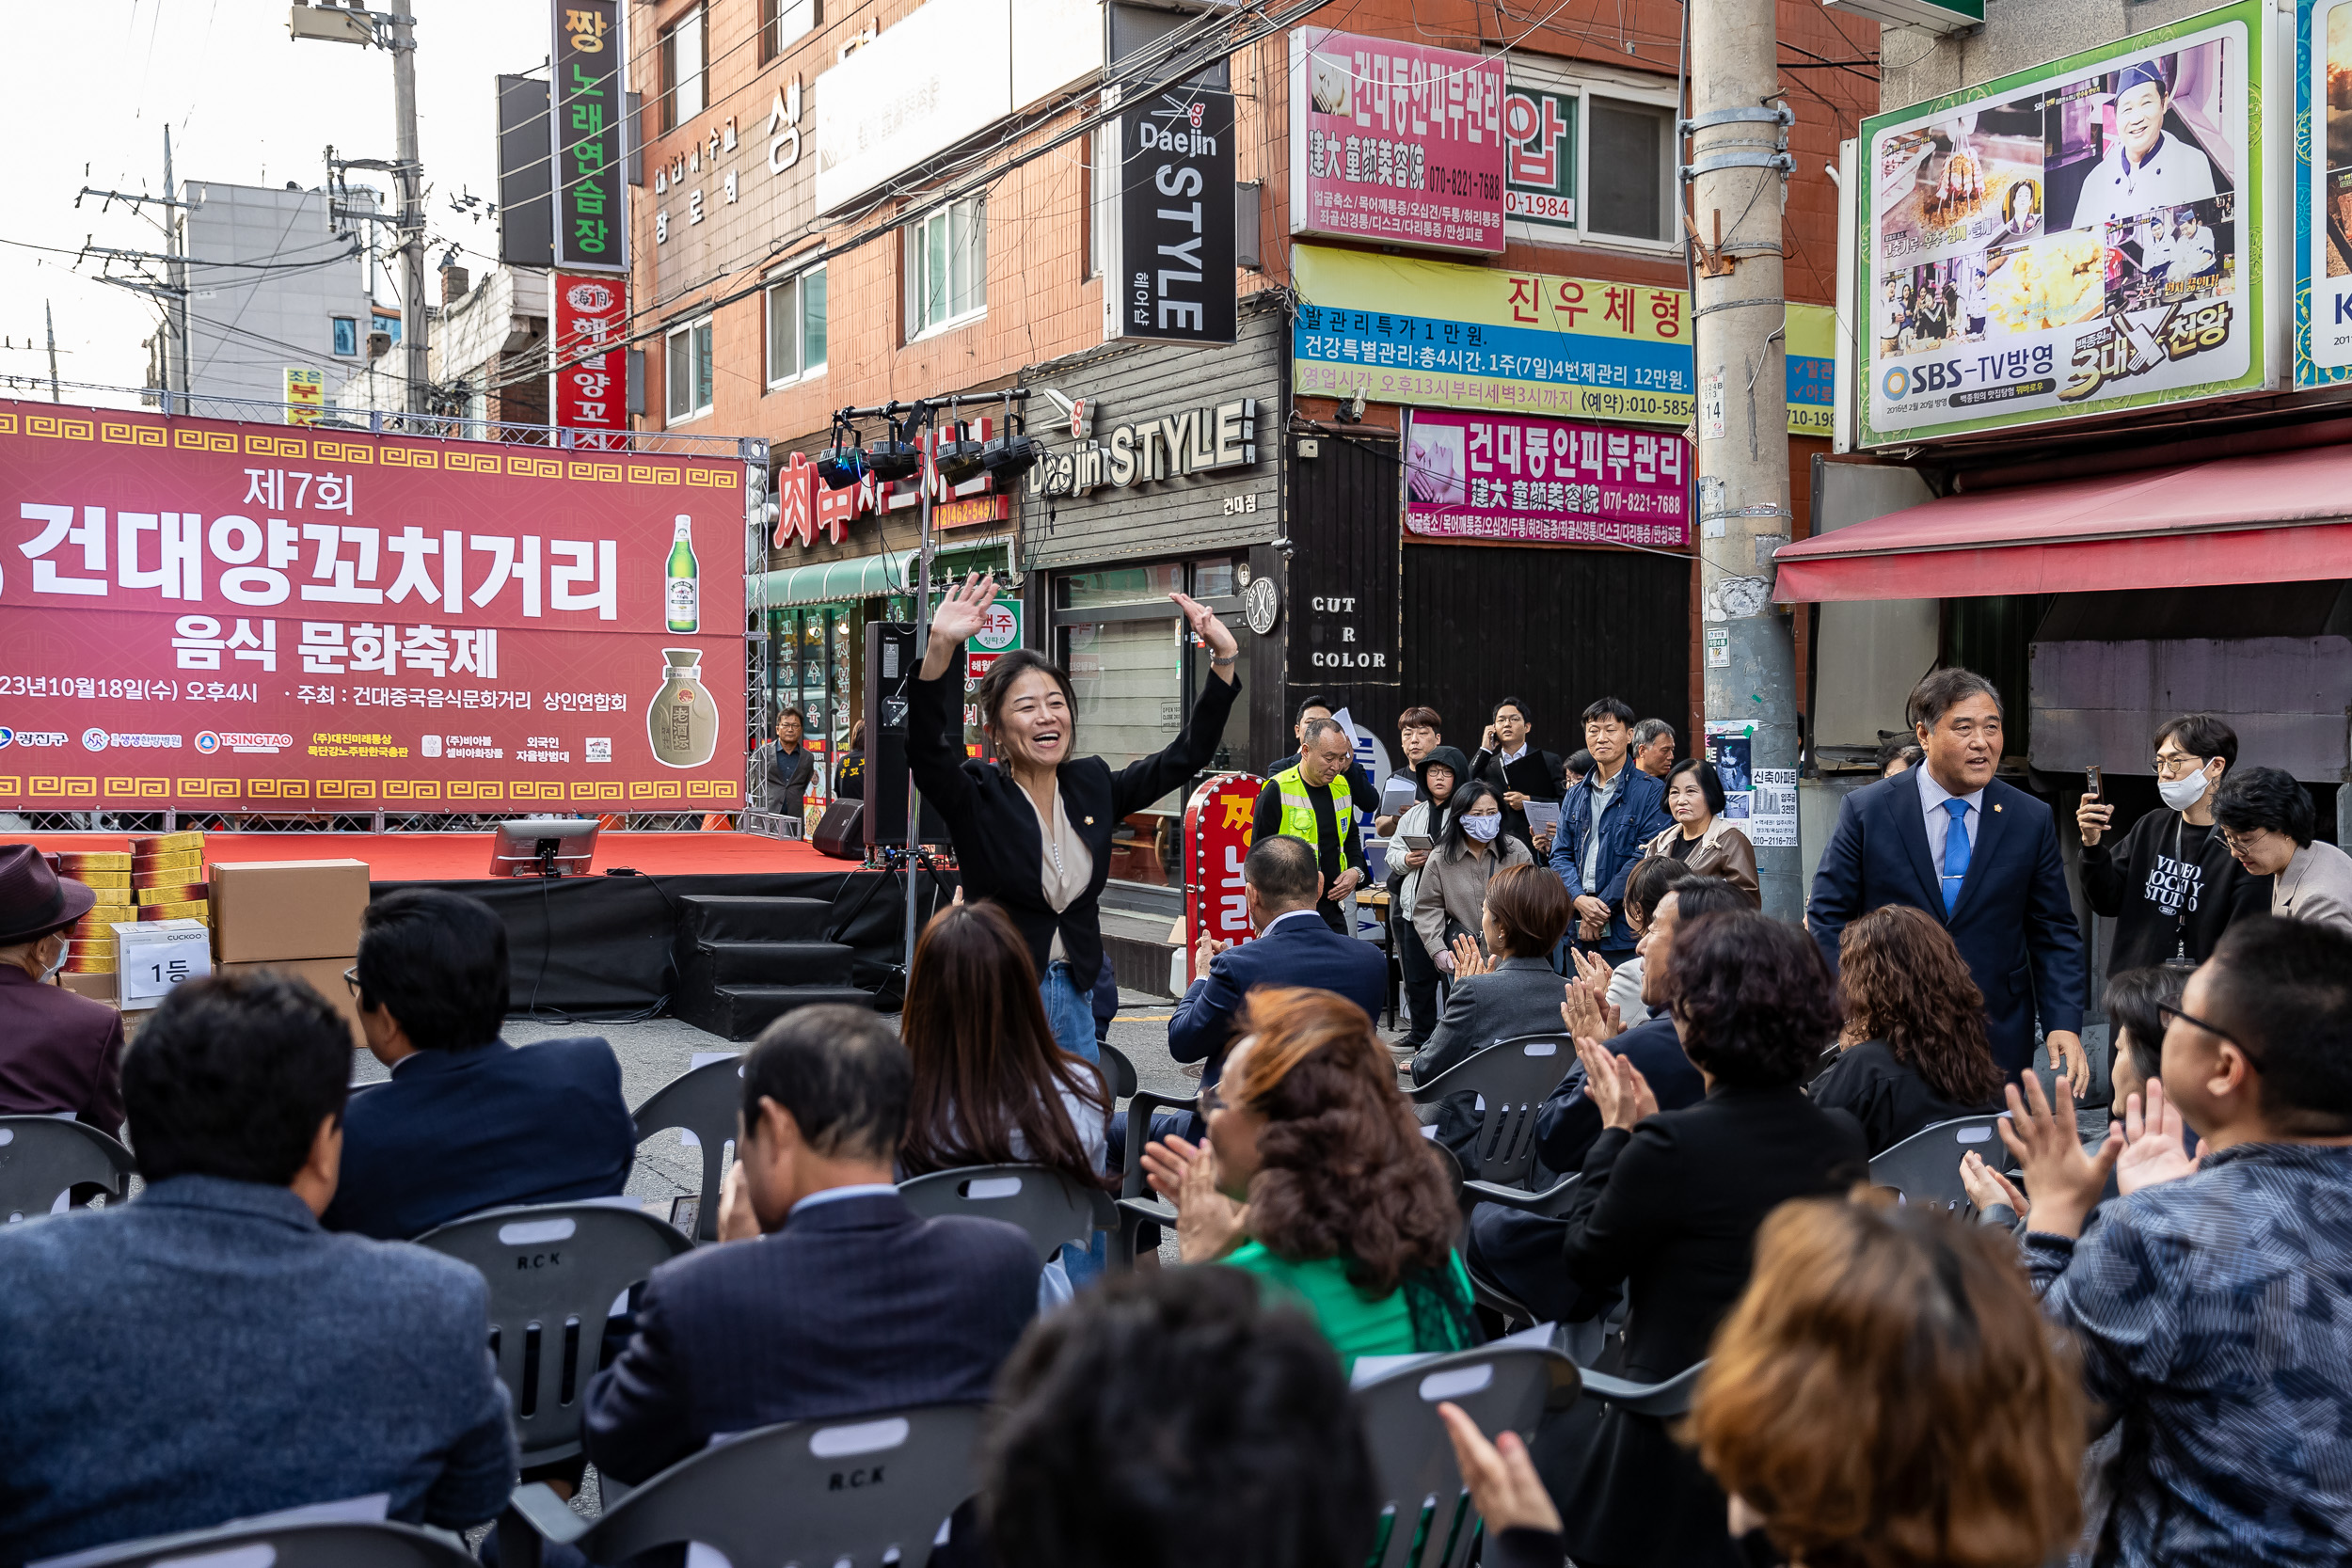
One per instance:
(337, 1546)
(704, 1100)
(1425, 1519)
(1139, 1205)
(1925, 1167)
(1512, 1078)
(44, 1158)
(1050, 1205)
(555, 1271)
(1669, 1398)
(1118, 1072)
(837, 1494)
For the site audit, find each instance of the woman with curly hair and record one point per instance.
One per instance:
(1912, 1051)
(1316, 1178)
(1887, 1395)
(1668, 1208)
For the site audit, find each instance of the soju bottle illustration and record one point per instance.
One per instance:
(682, 722)
(683, 590)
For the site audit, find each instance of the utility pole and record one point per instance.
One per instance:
(1736, 186)
(49, 314)
(176, 276)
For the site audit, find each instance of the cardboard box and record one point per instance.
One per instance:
(75, 861)
(177, 892)
(166, 844)
(98, 988)
(157, 954)
(269, 911)
(325, 977)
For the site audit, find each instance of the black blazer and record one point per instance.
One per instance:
(2014, 922)
(994, 827)
(1293, 952)
(854, 1307)
(1887, 1097)
(1537, 775)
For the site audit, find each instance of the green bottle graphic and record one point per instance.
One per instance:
(683, 592)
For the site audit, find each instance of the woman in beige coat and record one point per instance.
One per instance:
(1450, 900)
(1701, 839)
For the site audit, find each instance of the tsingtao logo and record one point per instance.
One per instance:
(207, 742)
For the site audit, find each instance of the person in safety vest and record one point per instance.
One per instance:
(1313, 801)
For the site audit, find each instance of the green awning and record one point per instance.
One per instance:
(864, 577)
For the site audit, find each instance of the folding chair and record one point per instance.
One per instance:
(1512, 1079)
(1669, 1398)
(337, 1546)
(42, 1159)
(706, 1102)
(841, 1493)
(556, 1271)
(1925, 1167)
(1118, 1072)
(1425, 1519)
(1139, 1206)
(1050, 1205)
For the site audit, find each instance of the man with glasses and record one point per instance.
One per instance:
(2171, 886)
(2209, 1299)
(2266, 819)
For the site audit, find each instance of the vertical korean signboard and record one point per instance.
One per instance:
(1397, 142)
(2082, 238)
(591, 381)
(1175, 220)
(588, 131)
(331, 621)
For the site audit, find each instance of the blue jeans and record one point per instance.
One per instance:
(1070, 1011)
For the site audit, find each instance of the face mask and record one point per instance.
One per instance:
(1482, 828)
(57, 963)
(2181, 794)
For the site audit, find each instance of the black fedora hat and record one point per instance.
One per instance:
(34, 899)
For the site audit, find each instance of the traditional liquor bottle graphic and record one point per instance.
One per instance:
(682, 722)
(682, 589)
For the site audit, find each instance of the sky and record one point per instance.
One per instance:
(247, 105)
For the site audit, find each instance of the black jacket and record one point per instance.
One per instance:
(2162, 902)
(1536, 775)
(1888, 1097)
(998, 847)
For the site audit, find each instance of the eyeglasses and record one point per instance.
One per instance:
(2238, 843)
(1212, 1100)
(351, 978)
(2167, 1012)
(2177, 767)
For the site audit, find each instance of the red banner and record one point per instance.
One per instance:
(592, 395)
(1217, 823)
(206, 615)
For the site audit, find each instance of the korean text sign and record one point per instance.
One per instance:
(2082, 238)
(1439, 334)
(2322, 192)
(1175, 276)
(1516, 478)
(1217, 825)
(1395, 141)
(592, 388)
(589, 129)
(194, 614)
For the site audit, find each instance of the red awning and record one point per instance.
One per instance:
(2266, 517)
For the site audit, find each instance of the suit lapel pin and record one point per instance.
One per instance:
(1997, 807)
(1089, 821)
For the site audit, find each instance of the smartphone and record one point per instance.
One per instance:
(1418, 841)
(2094, 784)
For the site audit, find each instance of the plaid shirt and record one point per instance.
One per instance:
(2215, 1316)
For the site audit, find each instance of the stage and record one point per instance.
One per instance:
(600, 943)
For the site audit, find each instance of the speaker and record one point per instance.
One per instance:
(891, 662)
(841, 832)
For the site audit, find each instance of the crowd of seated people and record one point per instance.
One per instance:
(1884, 1383)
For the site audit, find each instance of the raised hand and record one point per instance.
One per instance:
(1208, 628)
(2064, 1180)
(1165, 1162)
(1209, 1225)
(1614, 1085)
(1468, 959)
(961, 611)
(2154, 1145)
(1587, 1012)
(1987, 1186)
(1504, 1485)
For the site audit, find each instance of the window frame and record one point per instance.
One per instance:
(806, 368)
(697, 18)
(335, 337)
(1673, 223)
(775, 15)
(1585, 87)
(916, 253)
(689, 329)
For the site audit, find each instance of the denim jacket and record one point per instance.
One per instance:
(1636, 813)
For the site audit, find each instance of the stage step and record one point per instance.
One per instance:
(732, 917)
(770, 963)
(740, 1012)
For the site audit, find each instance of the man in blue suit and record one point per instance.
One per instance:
(1979, 855)
(206, 1352)
(468, 1122)
(1604, 821)
(1284, 888)
(826, 1296)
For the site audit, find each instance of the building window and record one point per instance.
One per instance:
(947, 268)
(683, 56)
(783, 21)
(347, 337)
(796, 327)
(687, 371)
(388, 326)
(1629, 193)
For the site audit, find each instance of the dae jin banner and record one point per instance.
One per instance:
(592, 386)
(1176, 219)
(1395, 141)
(1512, 479)
(200, 614)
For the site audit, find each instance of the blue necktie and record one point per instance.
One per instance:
(1956, 849)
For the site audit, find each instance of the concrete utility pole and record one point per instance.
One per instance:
(176, 275)
(49, 315)
(409, 173)
(1736, 184)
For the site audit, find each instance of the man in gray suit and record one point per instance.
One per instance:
(206, 1352)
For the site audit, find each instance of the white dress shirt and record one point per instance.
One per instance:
(2174, 175)
(1939, 821)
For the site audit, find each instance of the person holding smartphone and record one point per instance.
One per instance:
(2170, 886)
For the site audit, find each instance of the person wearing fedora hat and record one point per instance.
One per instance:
(58, 1051)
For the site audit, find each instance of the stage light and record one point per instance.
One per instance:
(959, 457)
(895, 458)
(841, 467)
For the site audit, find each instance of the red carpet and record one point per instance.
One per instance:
(450, 857)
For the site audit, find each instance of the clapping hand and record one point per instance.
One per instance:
(1504, 1485)
(1614, 1085)
(1987, 1186)
(1585, 1009)
(1209, 1225)
(2064, 1180)
(1204, 951)
(1468, 959)
(2155, 1147)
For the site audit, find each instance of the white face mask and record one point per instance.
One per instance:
(1482, 828)
(2181, 794)
(57, 963)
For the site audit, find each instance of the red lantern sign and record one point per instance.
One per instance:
(1217, 823)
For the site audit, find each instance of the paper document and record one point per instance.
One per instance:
(1542, 817)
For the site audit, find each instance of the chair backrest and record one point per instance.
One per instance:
(1925, 1167)
(835, 1493)
(1426, 1520)
(1118, 1073)
(704, 1100)
(1513, 1077)
(43, 1158)
(321, 1546)
(1051, 1206)
(555, 1271)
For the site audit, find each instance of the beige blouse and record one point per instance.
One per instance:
(1068, 866)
